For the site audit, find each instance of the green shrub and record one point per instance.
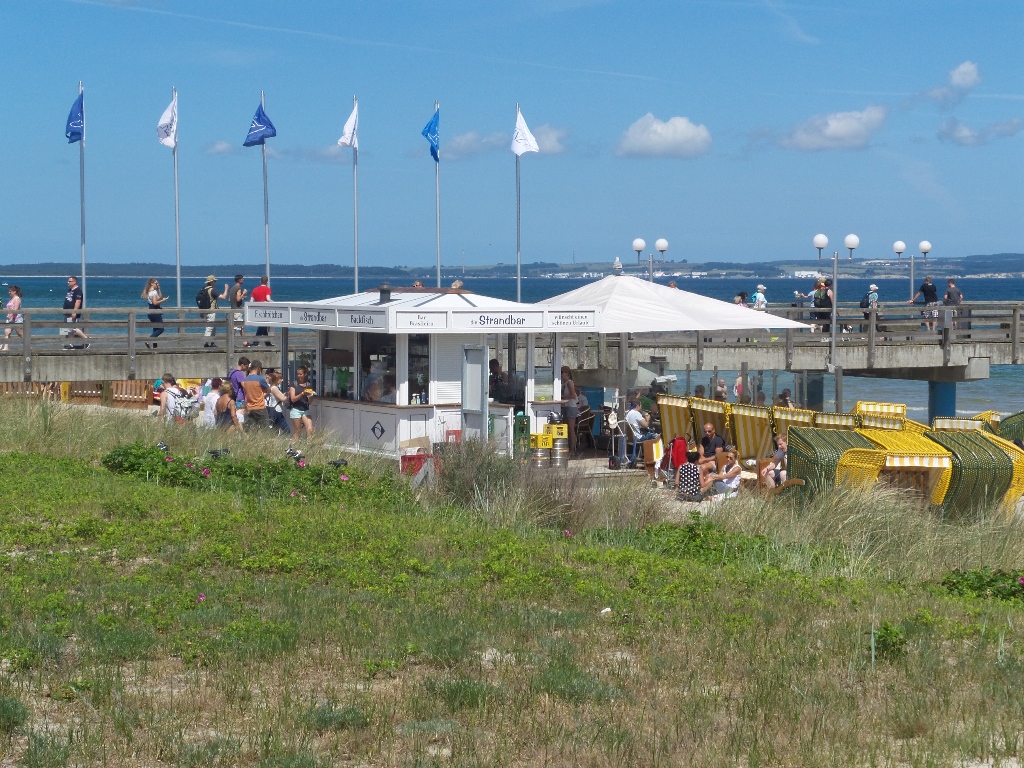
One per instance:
(13, 715)
(889, 642)
(985, 583)
(328, 717)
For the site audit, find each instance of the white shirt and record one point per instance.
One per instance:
(633, 418)
(209, 415)
(760, 302)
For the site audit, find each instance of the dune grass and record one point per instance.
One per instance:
(501, 619)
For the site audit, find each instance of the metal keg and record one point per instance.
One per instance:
(540, 458)
(560, 452)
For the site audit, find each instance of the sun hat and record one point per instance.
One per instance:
(761, 287)
(211, 278)
(872, 287)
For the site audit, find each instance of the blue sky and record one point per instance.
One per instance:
(736, 130)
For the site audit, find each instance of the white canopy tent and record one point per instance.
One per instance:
(630, 305)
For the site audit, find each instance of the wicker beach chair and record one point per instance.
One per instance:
(676, 418)
(784, 418)
(1016, 490)
(957, 424)
(1012, 427)
(814, 454)
(982, 470)
(878, 421)
(865, 407)
(993, 418)
(714, 412)
(751, 431)
(913, 461)
(837, 420)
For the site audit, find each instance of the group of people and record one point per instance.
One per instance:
(248, 398)
(207, 299)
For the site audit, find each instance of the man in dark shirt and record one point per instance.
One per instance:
(930, 293)
(237, 296)
(708, 449)
(73, 299)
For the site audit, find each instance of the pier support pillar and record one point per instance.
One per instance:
(941, 399)
(815, 394)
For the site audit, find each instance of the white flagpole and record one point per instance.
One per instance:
(177, 234)
(81, 185)
(266, 199)
(519, 251)
(355, 203)
(437, 205)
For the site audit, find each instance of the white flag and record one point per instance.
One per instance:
(522, 139)
(350, 136)
(167, 128)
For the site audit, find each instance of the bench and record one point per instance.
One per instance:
(130, 394)
(85, 392)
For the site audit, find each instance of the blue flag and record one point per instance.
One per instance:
(76, 121)
(260, 130)
(430, 134)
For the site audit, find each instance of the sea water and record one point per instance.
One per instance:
(1004, 391)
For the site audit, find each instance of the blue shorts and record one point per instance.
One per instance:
(297, 413)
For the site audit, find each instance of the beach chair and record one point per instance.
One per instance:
(982, 470)
(837, 420)
(1012, 427)
(784, 418)
(992, 418)
(865, 407)
(950, 424)
(878, 421)
(814, 454)
(914, 462)
(714, 412)
(1016, 489)
(676, 418)
(751, 431)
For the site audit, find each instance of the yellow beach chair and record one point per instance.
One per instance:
(913, 461)
(676, 418)
(751, 430)
(784, 418)
(714, 412)
(837, 420)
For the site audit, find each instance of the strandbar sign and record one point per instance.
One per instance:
(397, 320)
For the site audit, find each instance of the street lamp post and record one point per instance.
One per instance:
(661, 245)
(924, 246)
(638, 245)
(820, 242)
(898, 248)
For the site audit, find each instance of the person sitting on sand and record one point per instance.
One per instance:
(774, 474)
(726, 481)
(708, 449)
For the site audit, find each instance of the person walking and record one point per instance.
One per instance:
(299, 395)
(14, 316)
(151, 293)
(74, 301)
(237, 296)
(930, 294)
(255, 389)
(760, 301)
(207, 299)
(953, 298)
(260, 294)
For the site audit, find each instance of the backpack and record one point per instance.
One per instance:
(203, 300)
(819, 297)
(865, 303)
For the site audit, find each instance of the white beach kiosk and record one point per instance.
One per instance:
(398, 368)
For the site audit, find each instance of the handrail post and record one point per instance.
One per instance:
(132, 319)
(1015, 334)
(789, 349)
(26, 329)
(229, 325)
(872, 333)
(700, 350)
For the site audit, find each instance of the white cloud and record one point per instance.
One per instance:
(549, 138)
(220, 147)
(963, 79)
(472, 143)
(839, 130)
(675, 137)
(955, 132)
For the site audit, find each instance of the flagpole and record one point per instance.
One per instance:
(355, 203)
(266, 199)
(177, 233)
(519, 251)
(81, 185)
(437, 206)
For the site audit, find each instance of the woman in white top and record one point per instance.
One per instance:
(208, 417)
(571, 406)
(151, 293)
(725, 481)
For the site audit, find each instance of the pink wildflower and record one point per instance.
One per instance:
(206, 473)
(568, 533)
(201, 597)
(169, 458)
(1022, 579)
(294, 494)
(343, 478)
(189, 464)
(302, 463)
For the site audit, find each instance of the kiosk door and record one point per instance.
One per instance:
(474, 391)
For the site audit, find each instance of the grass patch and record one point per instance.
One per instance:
(13, 715)
(199, 623)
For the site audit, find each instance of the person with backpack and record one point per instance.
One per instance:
(207, 299)
(870, 301)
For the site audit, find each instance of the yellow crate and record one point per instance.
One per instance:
(541, 441)
(556, 430)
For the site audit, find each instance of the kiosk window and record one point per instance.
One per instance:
(339, 365)
(419, 368)
(377, 368)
